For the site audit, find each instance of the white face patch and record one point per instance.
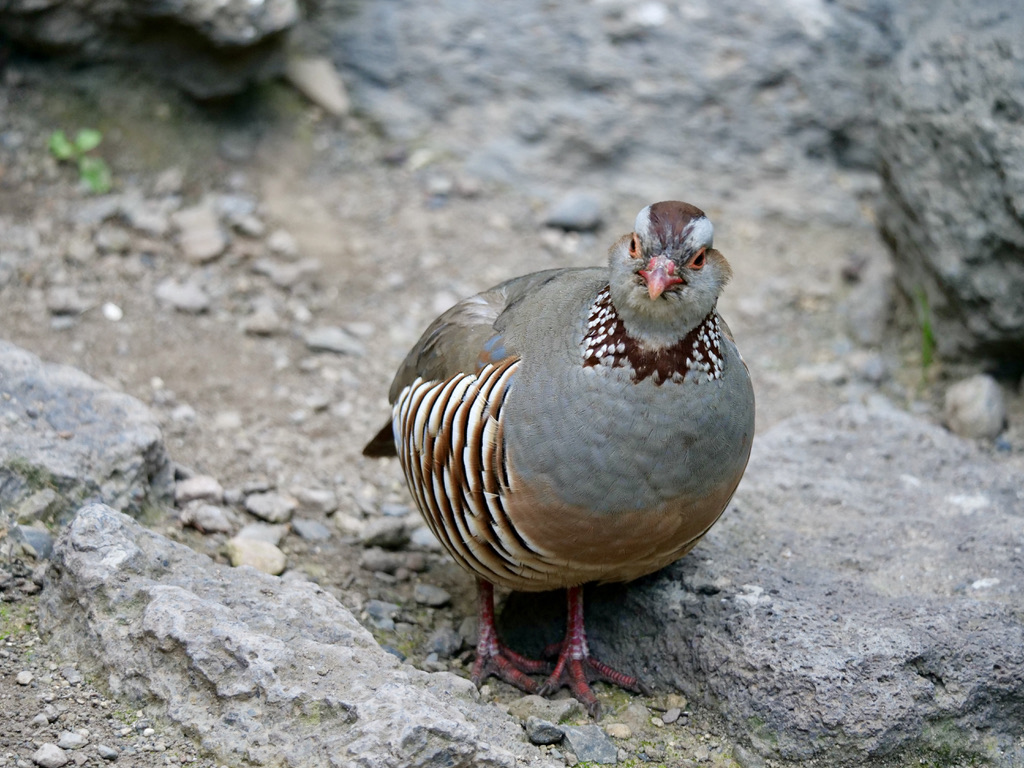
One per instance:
(698, 234)
(642, 225)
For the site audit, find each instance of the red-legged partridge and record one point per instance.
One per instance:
(577, 425)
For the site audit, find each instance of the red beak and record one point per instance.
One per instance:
(659, 275)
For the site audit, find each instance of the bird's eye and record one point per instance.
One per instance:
(697, 262)
(634, 247)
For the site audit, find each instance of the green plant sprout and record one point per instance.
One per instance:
(924, 319)
(91, 169)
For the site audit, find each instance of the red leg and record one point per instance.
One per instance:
(493, 657)
(576, 668)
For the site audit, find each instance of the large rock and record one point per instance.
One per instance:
(951, 145)
(70, 437)
(261, 670)
(657, 89)
(210, 48)
(860, 601)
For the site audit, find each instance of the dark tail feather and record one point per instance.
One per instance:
(383, 444)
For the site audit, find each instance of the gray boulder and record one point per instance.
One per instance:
(210, 48)
(68, 438)
(951, 145)
(260, 670)
(859, 602)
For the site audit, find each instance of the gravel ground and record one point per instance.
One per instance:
(266, 342)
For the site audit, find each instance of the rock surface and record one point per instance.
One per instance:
(65, 432)
(210, 48)
(861, 597)
(951, 143)
(259, 669)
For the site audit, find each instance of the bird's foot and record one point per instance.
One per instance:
(507, 665)
(577, 673)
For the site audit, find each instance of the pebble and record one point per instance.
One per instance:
(671, 715)
(316, 499)
(575, 212)
(591, 744)
(423, 538)
(206, 518)
(380, 560)
(281, 242)
(618, 730)
(198, 488)
(387, 532)
(105, 752)
(184, 297)
(65, 300)
(330, 338)
(112, 311)
(310, 530)
(975, 409)
(390, 509)
(111, 238)
(72, 675)
(540, 731)
(382, 614)
(271, 506)
(445, 642)
(868, 366)
(24, 678)
(50, 756)
(317, 79)
(272, 534)
(261, 555)
(199, 233)
(428, 594)
(552, 710)
(71, 740)
(263, 322)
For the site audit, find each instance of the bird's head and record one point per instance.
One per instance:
(666, 276)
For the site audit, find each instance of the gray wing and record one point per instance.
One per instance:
(461, 340)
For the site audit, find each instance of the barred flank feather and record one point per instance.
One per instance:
(450, 440)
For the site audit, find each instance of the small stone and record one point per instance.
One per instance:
(469, 631)
(282, 243)
(40, 719)
(349, 525)
(199, 233)
(310, 530)
(445, 642)
(618, 730)
(675, 699)
(206, 518)
(112, 312)
(387, 532)
(389, 509)
(334, 339)
(272, 534)
(72, 675)
(382, 614)
(50, 756)
(261, 555)
(271, 506)
(263, 322)
(198, 488)
(38, 506)
(285, 275)
(105, 752)
(71, 740)
(378, 560)
(701, 753)
(575, 212)
(184, 297)
(868, 366)
(423, 538)
(590, 744)
(317, 79)
(542, 732)
(671, 715)
(316, 499)
(51, 713)
(111, 238)
(552, 710)
(64, 300)
(428, 594)
(975, 409)
(24, 677)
